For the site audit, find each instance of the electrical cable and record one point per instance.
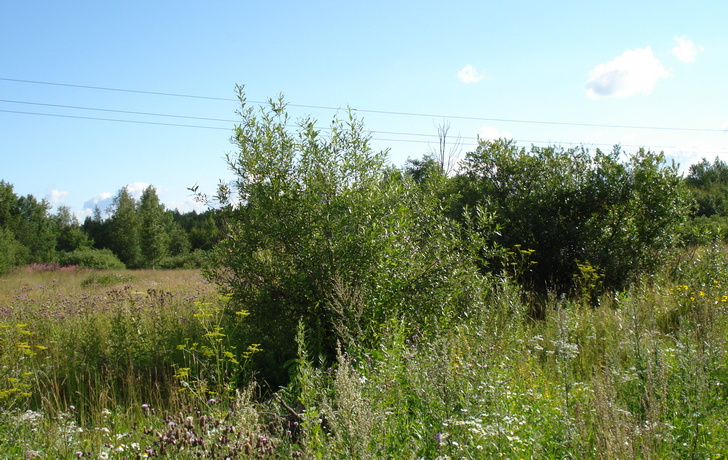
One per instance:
(381, 112)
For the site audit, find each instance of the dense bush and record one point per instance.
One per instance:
(571, 208)
(708, 183)
(92, 258)
(327, 234)
(705, 230)
(195, 259)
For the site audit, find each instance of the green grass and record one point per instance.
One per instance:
(146, 367)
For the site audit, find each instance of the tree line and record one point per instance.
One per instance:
(133, 234)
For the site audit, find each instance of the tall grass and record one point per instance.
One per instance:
(145, 368)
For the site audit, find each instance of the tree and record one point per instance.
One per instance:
(8, 205)
(124, 229)
(12, 253)
(153, 236)
(326, 233)
(444, 155)
(34, 229)
(179, 242)
(205, 233)
(69, 235)
(98, 230)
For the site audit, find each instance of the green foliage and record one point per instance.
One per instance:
(704, 230)
(205, 233)
(179, 241)
(327, 234)
(211, 366)
(153, 236)
(69, 235)
(124, 229)
(575, 207)
(112, 372)
(34, 229)
(12, 253)
(102, 259)
(709, 186)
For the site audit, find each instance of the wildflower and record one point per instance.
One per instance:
(104, 455)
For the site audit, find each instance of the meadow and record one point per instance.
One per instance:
(144, 364)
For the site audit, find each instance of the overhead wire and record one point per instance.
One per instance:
(384, 112)
(468, 141)
(473, 141)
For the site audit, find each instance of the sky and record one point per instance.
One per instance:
(96, 96)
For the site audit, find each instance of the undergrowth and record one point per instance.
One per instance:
(149, 368)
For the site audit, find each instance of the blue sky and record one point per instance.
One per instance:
(559, 72)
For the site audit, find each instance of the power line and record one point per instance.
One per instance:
(380, 112)
(180, 125)
(140, 122)
(154, 93)
(131, 112)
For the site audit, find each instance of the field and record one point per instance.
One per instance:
(145, 364)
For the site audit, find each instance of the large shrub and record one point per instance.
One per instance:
(570, 210)
(327, 234)
(102, 259)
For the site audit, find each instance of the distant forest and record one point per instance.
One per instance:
(130, 234)
(142, 233)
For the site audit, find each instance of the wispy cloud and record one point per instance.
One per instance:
(633, 72)
(686, 50)
(469, 74)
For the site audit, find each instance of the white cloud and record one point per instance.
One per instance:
(102, 201)
(634, 72)
(136, 189)
(188, 205)
(469, 74)
(56, 197)
(490, 133)
(686, 50)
